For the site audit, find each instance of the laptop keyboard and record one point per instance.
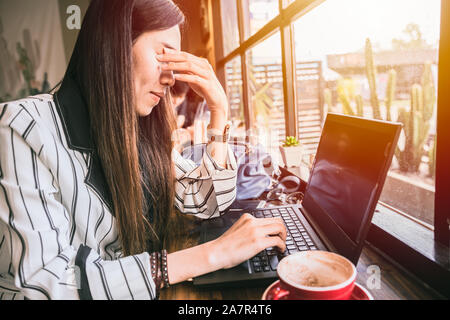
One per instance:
(297, 239)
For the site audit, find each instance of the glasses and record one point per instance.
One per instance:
(284, 190)
(279, 196)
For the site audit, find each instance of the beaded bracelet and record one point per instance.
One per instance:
(156, 269)
(164, 269)
(159, 270)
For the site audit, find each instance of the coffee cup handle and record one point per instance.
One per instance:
(281, 293)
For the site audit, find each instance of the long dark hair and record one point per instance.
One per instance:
(135, 152)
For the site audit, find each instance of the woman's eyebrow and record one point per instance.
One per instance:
(165, 44)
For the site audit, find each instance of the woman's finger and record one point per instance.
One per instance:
(274, 229)
(274, 241)
(264, 221)
(190, 78)
(186, 67)
(170, 55)
(175, 57)
(269, 220)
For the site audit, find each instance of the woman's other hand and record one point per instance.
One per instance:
(247, 237)
(199, 74)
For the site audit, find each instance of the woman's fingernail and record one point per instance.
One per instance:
(159, 56)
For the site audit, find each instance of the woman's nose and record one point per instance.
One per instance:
(166, 78)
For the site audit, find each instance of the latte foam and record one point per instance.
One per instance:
(315, 269)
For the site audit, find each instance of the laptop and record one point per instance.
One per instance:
(345, 183)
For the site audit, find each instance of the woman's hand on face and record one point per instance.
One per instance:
(247, 237)
(199, 74)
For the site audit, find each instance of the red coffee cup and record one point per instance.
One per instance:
(315, 275)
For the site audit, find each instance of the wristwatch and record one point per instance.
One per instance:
(216, 135)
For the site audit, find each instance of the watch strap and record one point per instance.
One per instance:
(214, 135)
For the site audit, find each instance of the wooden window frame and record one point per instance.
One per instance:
(442, 199)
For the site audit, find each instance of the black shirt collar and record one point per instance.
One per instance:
(74, 113)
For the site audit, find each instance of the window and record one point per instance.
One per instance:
(377, 70)
(316, 53)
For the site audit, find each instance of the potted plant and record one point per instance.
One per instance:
(291, 152)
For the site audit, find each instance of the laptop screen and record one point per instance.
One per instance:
(349, 170)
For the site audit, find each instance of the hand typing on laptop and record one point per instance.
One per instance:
(247, 237)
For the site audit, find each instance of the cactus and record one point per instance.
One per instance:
(345, 100)
(420, 125)
(390, 93)
(290, 142)
(416, 121)
(371, 73)
(432, 159)
(416, 126)
(429, 95)
(346, 95)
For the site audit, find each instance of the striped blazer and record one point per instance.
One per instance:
(58, 238)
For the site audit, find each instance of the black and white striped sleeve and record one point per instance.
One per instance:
(127, 278)
(207, 190)
(40, 260)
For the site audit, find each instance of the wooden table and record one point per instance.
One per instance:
(395, 284)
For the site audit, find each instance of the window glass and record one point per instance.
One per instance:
(375, 59)
(257, 13)
(266, 92)
(234, 93)
(287, 3)
(230, 26)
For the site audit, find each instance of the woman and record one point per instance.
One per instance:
(88, 177)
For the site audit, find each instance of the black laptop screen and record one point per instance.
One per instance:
(349, 165)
